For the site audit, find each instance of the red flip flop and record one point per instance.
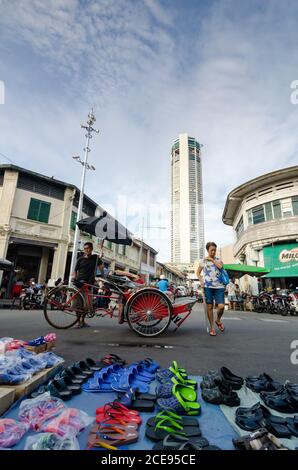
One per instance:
(220, 326)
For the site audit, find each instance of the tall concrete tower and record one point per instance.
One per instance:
(187, 215)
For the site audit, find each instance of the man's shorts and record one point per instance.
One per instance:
(213, 295)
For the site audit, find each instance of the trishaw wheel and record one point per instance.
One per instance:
(61, 312)
(148, 312)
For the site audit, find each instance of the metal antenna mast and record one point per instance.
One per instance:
(90, 129)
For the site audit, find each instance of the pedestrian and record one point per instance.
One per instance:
(163, 283)
(209, 275)
(85, 271)
(232, 299)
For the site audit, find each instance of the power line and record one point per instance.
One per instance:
(7, 158)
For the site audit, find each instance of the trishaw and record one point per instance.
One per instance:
(147, 310)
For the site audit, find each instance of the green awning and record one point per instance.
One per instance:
(245, 269)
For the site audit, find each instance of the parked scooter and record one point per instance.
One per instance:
(32, 297)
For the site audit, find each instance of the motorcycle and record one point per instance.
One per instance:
(32, 297)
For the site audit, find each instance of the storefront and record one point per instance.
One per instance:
(282, 260)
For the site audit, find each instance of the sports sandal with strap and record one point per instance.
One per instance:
(166, 390)
(212, 332)
(164, 375)
(182, 402)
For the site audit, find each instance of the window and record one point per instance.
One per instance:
(276, 209)
(73, 220)
(286, 207)
(122, 249)
(258, 215)
(144, 256)
(152, 259)
(41, 186)
(240, 227)
(39, 210)
(295, 205)
(1, 178)
(108, 244)
(268, 211)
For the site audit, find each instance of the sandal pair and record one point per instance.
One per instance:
(176, 442)
(165, 423)
(183, 400)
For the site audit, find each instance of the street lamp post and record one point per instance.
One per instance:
(89, 128)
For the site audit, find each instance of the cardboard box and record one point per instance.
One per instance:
(37, 349)
(28, 387)
(7, 397)
(51, 345)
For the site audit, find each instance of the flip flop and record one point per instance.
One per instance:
(169, 415)
(113, 435)
(176, 442)
(161, 430)
(220, 326)
(116, 410)
(129, 400)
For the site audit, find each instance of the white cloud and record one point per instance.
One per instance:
(226, 82)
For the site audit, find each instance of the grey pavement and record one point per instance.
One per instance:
(252, 343)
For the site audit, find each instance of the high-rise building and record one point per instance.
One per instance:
(187, 217)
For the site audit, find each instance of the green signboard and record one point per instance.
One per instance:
(282, 260)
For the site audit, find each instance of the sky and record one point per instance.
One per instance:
(219, 70)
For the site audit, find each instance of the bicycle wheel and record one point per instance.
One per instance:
(59, 310)
(148, 312)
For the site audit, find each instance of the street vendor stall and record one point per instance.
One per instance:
(238, 270)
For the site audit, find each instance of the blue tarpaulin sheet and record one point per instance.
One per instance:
(213, 423)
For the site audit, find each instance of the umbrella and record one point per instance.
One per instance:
(5, 265)
(106, 228)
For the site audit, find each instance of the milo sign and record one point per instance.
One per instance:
(288, 255)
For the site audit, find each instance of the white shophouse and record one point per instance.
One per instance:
(264, 215)
(37, 221)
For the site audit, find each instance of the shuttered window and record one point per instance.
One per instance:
(40, 186)
(73, 220)
(295, 205)
(39, 210)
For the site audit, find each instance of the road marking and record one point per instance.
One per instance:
(273, 320)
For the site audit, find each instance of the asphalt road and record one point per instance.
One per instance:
(252, 343)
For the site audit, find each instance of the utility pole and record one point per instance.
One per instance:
(89, 128)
